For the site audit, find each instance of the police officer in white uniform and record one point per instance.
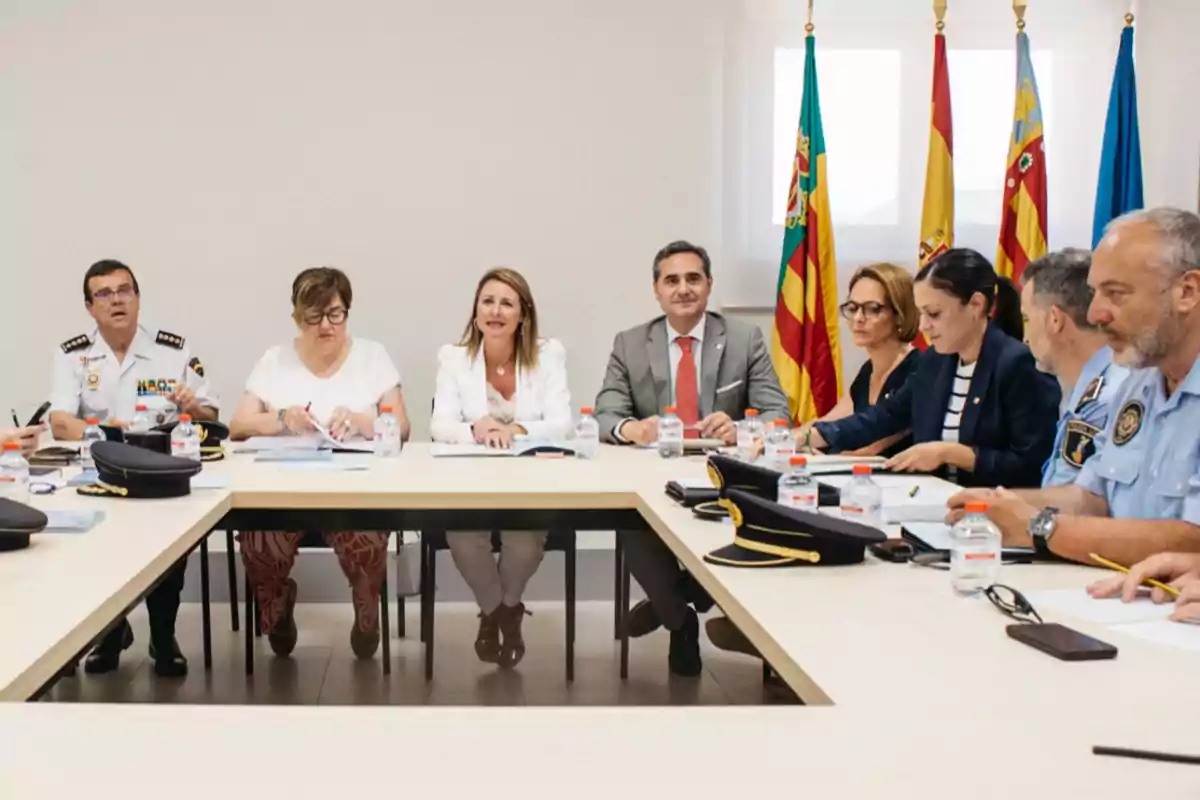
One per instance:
(1055, 297)
(1140, 494)
(106, 375)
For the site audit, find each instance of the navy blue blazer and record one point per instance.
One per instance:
(1009, 420)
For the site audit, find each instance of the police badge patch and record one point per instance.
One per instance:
(1079, 443)
(1129, 422)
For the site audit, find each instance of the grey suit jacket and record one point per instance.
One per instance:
(735, 366)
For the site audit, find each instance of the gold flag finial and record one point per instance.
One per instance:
(808, 27)
(1128, 19)
(939, 11)
(1019, 10)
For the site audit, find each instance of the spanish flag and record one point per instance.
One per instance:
(804, 343)
(937, 214)
(1023, 216)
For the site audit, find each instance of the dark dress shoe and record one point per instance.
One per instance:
(106, 656)
(283, 636)
(169, 661)
(726, 636)
(642, 619)
(684, 657)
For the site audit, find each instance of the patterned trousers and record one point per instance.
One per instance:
(269, 555)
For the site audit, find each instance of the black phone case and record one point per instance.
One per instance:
(1061, 642)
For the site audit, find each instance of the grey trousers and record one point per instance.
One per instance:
(494, 583)
(657, 571)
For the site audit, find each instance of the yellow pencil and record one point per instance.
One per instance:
(1104, 562)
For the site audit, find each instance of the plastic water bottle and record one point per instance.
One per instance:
(587, 434)
(185, 439)
(14, 474)
(780, 446)
(797, 489)
(670, 434)
(387, 433)
(974, 551)
(862, 498)
(91, 433)
(750, 435)
(141, 422)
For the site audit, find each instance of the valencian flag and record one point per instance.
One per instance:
(1023, 216)
(804, 344)
(1120, 186)
(937, 215)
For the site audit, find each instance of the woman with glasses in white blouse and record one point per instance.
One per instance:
(322, 376)
(499, 382)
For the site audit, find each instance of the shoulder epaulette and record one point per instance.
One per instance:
(75, 343)
(169, 339)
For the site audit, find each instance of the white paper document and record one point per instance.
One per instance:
(1182, 635)
(65, 521)
(1112, 611)
(207, 480)
(693, 483)
(476, 450)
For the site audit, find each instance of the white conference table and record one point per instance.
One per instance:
(907, 664)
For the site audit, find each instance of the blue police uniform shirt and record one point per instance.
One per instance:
(1084, 417)
(1148, 464)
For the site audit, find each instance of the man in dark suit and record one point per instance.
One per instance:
(711, 369)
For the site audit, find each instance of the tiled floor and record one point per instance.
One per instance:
(323, 670)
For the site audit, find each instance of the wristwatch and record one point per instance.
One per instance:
(1041, 528)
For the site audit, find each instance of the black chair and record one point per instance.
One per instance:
(313, 540)
(434, 540)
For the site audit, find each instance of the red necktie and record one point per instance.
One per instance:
(687, 396)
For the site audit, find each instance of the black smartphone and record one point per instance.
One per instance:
(1062, 642)
(36, 419)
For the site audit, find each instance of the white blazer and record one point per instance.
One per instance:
(542, 400)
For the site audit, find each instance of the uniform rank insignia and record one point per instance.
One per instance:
(1129, 422)
(169, 339)
(1090, 393)
(76, 343)
(1079, 444)
(196, 366)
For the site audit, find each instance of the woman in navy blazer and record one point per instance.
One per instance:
(980, 411)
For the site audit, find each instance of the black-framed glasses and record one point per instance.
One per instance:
(336, 316)
(870, 310)
(1012, 603)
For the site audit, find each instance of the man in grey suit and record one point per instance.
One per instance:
(711, 369)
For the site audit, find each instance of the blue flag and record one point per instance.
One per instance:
(1120, 186)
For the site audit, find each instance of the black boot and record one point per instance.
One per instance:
(163, 607)
(106, 656)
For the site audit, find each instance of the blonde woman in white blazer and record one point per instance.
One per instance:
(500, 381)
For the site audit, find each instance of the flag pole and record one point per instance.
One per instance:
(939, 10)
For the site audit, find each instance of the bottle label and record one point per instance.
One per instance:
(803, 499)
(985, 556)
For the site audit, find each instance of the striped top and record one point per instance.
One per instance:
(958, 401)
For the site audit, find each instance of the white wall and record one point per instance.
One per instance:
(220, 147)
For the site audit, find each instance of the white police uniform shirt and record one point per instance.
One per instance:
(1147, 464)
(89, 381)
(1084, 416)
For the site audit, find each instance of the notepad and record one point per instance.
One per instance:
(1181, 635)
(65, 521)
(1110, 611)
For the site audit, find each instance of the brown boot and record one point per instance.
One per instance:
(487, 641)
(364, 643)
(513, 648)
(283, 636)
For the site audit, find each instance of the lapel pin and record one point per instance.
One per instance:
(976, 401)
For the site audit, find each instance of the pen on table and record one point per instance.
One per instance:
(1104, 562)
(1148, 755)
(16, 422)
